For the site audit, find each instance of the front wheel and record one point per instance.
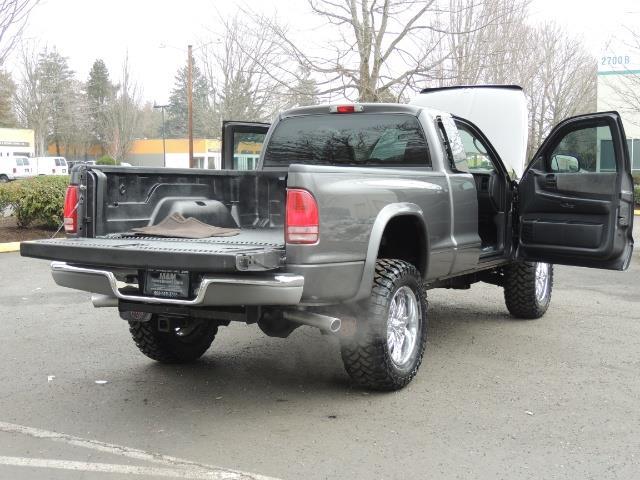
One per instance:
(387, 347)
(4, 179)
(527, 289)
(178, 341)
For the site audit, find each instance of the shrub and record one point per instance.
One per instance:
(636, 194)
(37, 200)
(636, 178)
(107, 160)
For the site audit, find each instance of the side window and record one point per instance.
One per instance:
(246, 150)
(454, 142)
(475, 151)
(586, 150)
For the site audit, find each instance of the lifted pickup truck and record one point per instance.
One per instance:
(353, 213)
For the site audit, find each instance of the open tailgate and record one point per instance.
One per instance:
(251, 250)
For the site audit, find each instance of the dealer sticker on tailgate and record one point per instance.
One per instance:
(167, 284)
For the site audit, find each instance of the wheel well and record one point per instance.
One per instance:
(404, 239)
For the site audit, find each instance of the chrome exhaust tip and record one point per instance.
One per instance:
(323, 322)
(103, 301)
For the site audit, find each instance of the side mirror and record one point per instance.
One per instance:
(562, 163)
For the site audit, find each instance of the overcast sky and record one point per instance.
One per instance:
(84, 30)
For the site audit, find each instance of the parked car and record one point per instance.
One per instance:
(51, 166)
(13, 168)
(353, 214)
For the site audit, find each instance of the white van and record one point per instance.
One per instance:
(51, 166)
(12, 168)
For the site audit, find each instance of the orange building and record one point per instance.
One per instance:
(149, 153)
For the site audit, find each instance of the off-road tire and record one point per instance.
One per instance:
(167, 347)
(366, 355)
(520, 291)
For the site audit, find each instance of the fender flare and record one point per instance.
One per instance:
(375, 238)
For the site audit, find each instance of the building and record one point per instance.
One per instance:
(149, 153)
(618, 74)
(17, 141)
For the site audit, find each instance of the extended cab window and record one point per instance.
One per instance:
(350, 139)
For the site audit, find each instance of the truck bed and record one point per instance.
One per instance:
(252, 250)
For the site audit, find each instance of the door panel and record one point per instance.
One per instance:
(575, 203)
(242, 144)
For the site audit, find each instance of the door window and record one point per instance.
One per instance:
(585, 150)
(246, 149)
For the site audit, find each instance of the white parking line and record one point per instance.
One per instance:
(113, 468)
(193, 468)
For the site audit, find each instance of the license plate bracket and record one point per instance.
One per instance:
(167, 283)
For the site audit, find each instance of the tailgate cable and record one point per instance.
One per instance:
(62, 224)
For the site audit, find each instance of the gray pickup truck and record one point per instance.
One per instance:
(352, 213)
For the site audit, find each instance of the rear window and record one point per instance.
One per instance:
(60, 162)
(348, 139)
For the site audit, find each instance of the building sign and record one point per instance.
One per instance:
(619, 63)
(16, 141)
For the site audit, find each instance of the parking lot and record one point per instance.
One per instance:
(495, 397)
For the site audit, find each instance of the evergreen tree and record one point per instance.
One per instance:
(100, 92)
(177, 112)
(7, 91)
(57, 82)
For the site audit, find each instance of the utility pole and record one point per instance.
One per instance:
(190, 103)
(164, 147)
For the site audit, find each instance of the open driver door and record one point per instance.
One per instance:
(576, 196)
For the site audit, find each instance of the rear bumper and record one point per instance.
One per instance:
(219, 290)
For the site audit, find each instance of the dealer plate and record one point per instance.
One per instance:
(167, 283)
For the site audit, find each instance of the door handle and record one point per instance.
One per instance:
(551, 181)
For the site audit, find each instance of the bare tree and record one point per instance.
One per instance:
(13, 18)
(382, 47)
(239, 66)
(564, 84)
(32, 101)
(121, 119)
(486, 42)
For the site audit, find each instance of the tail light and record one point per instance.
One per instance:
(71, 209)
(302, 225)
(53, 171)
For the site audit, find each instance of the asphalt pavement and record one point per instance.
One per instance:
(495, 397)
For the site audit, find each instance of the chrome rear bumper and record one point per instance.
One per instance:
(222, 290)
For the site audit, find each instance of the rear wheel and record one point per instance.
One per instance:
(4, 179)
(527, 289)
(387, 347)
(179, 341)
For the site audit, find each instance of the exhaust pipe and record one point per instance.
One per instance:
(102, 301)
(323, 322)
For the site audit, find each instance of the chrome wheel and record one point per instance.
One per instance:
(542, 281)
(403, 323)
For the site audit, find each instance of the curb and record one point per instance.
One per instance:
(9, 247)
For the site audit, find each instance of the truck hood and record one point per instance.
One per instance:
(500, 111)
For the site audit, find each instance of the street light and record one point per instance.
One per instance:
(164, 148)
